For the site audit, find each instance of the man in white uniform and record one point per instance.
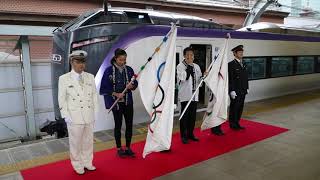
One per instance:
(78, 103)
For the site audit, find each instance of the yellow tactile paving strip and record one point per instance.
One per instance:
(250, 109)
(279, 102)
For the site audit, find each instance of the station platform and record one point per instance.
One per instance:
(290, 155)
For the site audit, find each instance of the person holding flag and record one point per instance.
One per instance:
(238, 87)
(116, 78)
(189, 75)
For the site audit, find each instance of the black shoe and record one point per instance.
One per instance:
(130, 153)
(221, 132)
(121, 153)
(166, 151)
(218, 133)
(184, 140)
(241, 127)
(90, 168)
(234, 127)
(193, 138)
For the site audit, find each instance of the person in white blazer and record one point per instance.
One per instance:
(78, 103)
(189, 76)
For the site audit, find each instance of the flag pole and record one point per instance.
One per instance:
(202, 80)
(185, 109)
(135, 76)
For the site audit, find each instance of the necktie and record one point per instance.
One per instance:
(81, 81)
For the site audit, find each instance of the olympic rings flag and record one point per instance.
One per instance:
(156, 86)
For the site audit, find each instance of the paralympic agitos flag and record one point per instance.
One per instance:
(217, 81)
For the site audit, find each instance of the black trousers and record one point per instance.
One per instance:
(236, 108)
(188, 120)
(118, 113)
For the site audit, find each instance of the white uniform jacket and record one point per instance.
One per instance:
(185, 86)
(79, 103)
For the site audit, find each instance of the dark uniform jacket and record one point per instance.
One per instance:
(238, 77)
(108, 85)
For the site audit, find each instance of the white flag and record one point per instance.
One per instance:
(217, 81)
(156, 85)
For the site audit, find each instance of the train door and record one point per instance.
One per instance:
(202, 57)
(179, 58)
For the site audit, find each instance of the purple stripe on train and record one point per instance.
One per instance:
(152, 30)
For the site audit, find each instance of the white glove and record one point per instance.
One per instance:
(248, 91)
(233, 94)
(68, 120)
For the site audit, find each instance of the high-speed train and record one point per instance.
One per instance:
(280, 60)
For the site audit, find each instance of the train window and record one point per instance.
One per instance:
(93, 41)
(305, 65)
(281, 66)
(117, 17)
(161, 20)
(101, 18)
(201, 25)
(74, 22)
(156, 21)
(256, 67)
(141, 18)
(318, 64)
(176, 80)
(248, 64)
(186, 23)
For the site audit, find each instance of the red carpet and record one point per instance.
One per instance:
(109, 166)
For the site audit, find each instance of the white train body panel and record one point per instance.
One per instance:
(139, 51)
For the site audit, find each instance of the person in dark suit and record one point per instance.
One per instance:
(238, 87)
(115, 79)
